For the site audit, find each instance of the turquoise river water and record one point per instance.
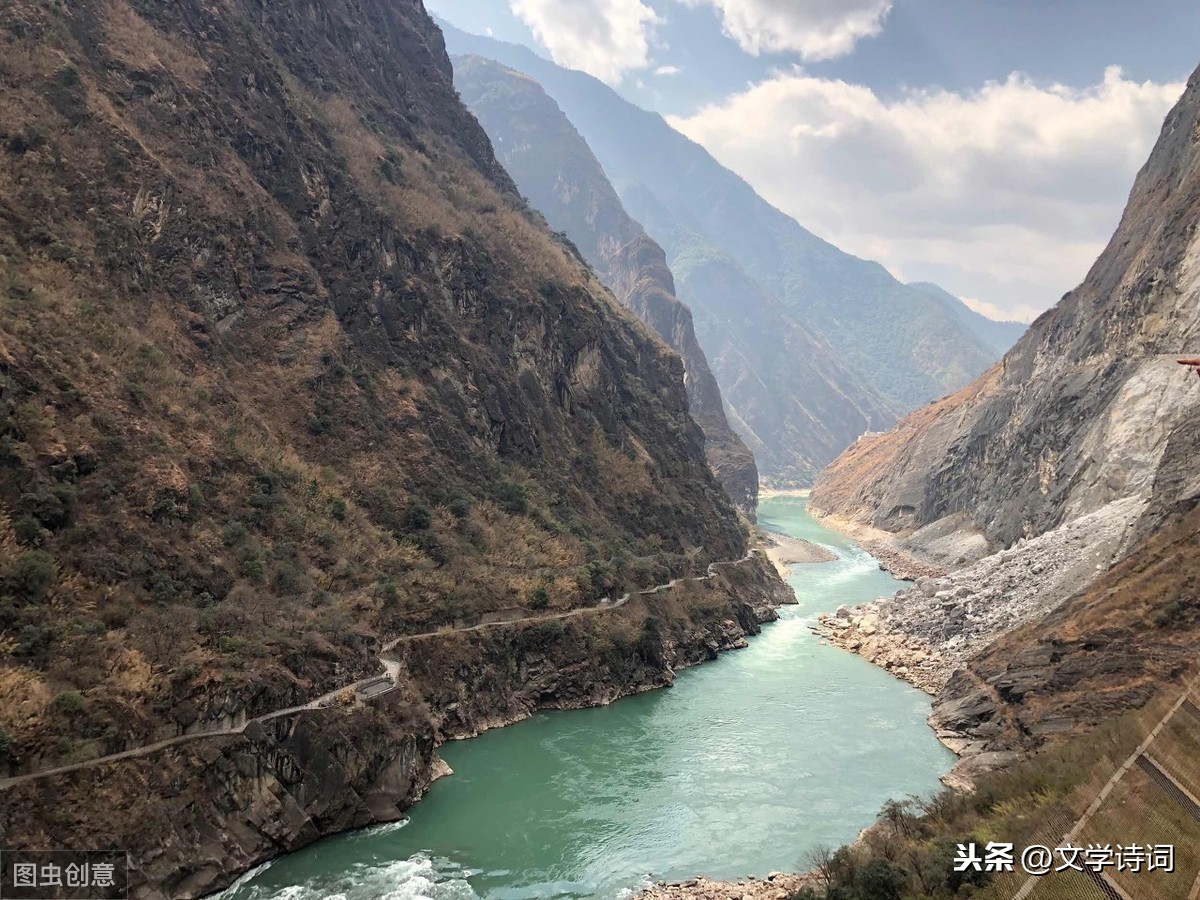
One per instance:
(741, 768)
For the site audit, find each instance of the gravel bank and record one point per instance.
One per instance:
(775, 886)
(925, 633)
(785, 551)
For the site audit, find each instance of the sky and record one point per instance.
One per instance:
(985, 146)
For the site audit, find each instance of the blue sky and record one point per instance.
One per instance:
(987, 146)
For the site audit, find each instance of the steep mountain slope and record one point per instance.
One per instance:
(785, 389)
(787, 392)
(863, 313)
(1075, 459)
(554, 168)
(1104, 651)
(287, 371)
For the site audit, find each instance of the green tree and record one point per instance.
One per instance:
(69, 702)
(33, 573)
(540, 599)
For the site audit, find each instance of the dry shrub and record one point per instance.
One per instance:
(24, 697)
(140, 45)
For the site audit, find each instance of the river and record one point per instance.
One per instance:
(742, 767)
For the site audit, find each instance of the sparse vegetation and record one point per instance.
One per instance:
(910, 852)
(32, 574)
(69, 702)
(185, 476)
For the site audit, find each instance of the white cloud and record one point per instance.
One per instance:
(992, 311)
(605, 38)
(816, 29)
(668, 70)
(1007, 193)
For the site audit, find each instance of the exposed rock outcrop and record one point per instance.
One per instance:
(197, 816)
(1088, 408)
(776, 886)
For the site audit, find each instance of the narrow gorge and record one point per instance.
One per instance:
(426, 474)
(1051, 504)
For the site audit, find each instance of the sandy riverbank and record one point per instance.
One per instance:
(785, 552)
(766, 493)
(883, 546)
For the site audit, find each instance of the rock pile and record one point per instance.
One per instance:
(924, 634)
(775, 886)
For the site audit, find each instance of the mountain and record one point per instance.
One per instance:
(998, 335)
(786, 390)
(317, 448)
(852, 307)
(1054, 501)
(555, 169)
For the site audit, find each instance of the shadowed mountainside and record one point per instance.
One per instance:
(554, 168)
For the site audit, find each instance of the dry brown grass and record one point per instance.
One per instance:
(142, 46)
(178, 571)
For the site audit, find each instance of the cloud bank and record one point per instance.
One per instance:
(1006, 194)
(605, 38)
(815, 29)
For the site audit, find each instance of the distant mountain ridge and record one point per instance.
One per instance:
(858, 337)
(998, 334)
(556, 170)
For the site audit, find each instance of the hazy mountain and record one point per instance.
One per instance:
(788, 392)
(899, 341)
(999, 335)
(554, 168)
(895, 347)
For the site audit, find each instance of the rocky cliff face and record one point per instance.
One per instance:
(556, 170)
(195, 817)
(1058, 491)
(288, 369)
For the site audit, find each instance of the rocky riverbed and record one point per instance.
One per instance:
(775, 886)
(930, 632)
(926, 633)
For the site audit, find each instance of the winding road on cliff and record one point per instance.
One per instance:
(364, 688)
